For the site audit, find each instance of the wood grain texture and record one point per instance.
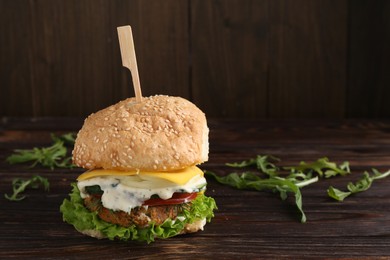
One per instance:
(15, 53)
(68, 54)
(308, 58)
(247, 224)
(229, 57)
(369, 77)
(248, 58)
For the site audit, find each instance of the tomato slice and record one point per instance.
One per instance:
(177, 198)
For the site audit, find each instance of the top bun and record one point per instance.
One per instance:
(161, 133)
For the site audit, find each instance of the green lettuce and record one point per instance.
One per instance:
(81, 218)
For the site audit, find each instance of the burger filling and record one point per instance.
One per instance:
(138, 206)
(140, 216)
(138, 200)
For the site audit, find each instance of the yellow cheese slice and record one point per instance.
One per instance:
(180, 177)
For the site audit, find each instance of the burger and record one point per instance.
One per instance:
(142, 181)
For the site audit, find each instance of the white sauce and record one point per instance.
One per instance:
(127, 192)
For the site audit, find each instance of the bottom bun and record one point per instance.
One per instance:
(194, 227)
(188, 228)
(92, 233)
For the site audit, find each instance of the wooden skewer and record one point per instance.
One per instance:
(129, 59)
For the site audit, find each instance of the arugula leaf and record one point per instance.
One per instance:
(249, 180)
(51, 157)
(277, 180)
(68, 138)
(20, 185)
(361, 185)
(337, 194)
(261, 162)
(322, 167)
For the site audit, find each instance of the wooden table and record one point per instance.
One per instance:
(248, 224)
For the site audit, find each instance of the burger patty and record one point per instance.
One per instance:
(140, 216)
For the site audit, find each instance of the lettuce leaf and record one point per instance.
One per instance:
(81, 218)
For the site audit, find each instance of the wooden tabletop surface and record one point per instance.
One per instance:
(247, 225)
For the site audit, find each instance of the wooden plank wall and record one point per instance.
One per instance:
(233, 58)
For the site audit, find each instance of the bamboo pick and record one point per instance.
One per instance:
(129, 59)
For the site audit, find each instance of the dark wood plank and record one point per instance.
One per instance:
(62, 57)
(15, 64)
(247, 224)
(69, 50)
(369, 59)
(233, 58)
(229, 57)
(307, 58)
(163, 48)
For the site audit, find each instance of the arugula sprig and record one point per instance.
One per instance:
(263, 163)
(68, 139)
(249, 180)
(323, 167)
(51, 157)
(20, 185)
(277, 180)
(361, 185)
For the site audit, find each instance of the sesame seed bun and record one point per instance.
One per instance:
(161, 133)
